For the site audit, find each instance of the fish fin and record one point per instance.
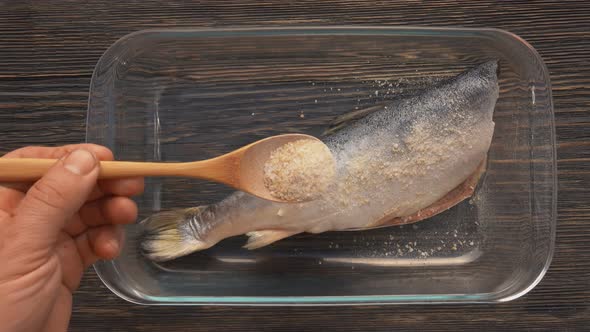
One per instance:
(259, 239)
(165, 235)
(347, 119)
(454, 197)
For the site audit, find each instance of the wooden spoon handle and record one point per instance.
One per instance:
(30, 169)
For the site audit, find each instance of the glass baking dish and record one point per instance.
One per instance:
(184, 95)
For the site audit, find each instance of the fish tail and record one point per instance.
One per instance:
(171, 234)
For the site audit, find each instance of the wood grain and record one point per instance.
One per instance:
(47, 54)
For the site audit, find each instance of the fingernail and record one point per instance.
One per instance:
(80, 162)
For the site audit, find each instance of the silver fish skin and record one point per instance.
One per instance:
(392, 163)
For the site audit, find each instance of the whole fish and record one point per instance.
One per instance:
(404, 162)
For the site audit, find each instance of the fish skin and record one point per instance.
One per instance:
(392, 163)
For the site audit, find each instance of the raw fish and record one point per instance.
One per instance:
(399, 163)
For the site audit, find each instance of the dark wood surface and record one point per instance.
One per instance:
(48, 51)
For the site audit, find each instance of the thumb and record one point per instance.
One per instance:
(56, 197)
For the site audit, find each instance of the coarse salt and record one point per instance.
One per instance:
(299, 170)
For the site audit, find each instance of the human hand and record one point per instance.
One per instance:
(54, 229)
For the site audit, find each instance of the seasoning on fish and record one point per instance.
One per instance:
(395, 164)
(299, 170)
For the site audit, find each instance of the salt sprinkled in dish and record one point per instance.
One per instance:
(299, 170)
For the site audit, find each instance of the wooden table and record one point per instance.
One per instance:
(48, 51)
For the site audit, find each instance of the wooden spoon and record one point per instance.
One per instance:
(241, 169)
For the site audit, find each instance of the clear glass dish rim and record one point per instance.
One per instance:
(343, 300)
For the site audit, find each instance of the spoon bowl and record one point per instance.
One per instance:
(251, 168)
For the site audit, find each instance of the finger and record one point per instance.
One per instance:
(106, 211)
(104, 242)
(113, 210)
(122, 187)
(71, 262)
(9, 198)
(119, 187)
(101, 152)
(55, 198)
